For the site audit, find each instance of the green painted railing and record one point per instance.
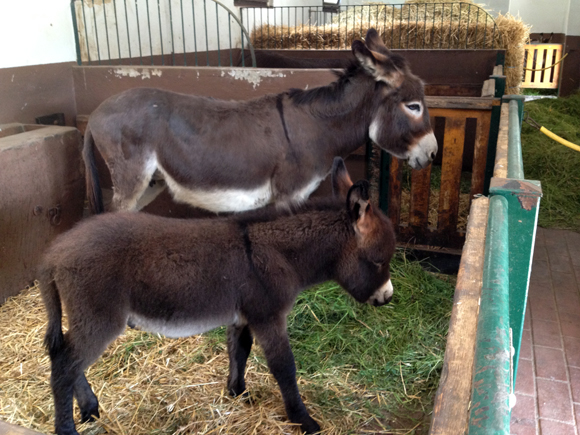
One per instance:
(512, 221)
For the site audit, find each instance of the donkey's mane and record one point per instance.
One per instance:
(330, 93)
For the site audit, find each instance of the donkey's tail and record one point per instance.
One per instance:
(94, 193)
(54, 338)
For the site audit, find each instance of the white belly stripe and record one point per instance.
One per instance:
(220, 200)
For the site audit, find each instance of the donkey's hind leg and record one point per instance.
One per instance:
(239, 346)
(130, 184)
(86, 399)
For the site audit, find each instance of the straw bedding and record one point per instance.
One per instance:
(149, 384)
(453, 26)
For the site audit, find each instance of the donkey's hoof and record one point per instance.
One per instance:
(310, 426)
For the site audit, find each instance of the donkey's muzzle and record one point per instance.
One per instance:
(423, 152)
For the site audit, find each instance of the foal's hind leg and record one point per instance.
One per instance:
(64, 376)
(86, 399)
(239, 346)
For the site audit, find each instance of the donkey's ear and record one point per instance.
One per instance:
(359, 207)
(375, 43)
(341, 181)
(377, 60)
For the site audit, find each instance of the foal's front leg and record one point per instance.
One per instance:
(239, 346)
(274, 341)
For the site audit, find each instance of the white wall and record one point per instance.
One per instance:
(544, 15)
(144, 28)
(34, 32)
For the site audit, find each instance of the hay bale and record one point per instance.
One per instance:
(412, 25)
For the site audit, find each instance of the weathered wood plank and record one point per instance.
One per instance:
(10, 429)
(469, 103)
(453, 143)
(500, 167)
(420, 192)
(480, 153)
(395, 185)
(451, 409)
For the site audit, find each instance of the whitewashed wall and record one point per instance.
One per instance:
(133, 28)
(34, 32)
(543, 15)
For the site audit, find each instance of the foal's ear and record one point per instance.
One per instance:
(341, 181)
(359, 207)
(378, 61)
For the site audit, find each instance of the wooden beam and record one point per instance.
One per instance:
(451, 409)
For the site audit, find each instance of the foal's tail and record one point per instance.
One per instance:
(54, 338)
(94, 194)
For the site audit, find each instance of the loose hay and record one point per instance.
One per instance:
(149, 384)
(414, 25)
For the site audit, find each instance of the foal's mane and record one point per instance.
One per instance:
(271, 213)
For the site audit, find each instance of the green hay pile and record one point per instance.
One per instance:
(556, 166)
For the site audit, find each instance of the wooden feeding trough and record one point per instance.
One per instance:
(42, 195)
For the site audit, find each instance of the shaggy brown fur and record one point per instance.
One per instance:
(183, 277)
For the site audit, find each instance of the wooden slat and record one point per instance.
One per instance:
(473, 103)
(530, 50)
(545, 75)
(451, 173)
(558, 49)
(451, 409)
(500, 168)
(395, 179)
(420, 191)
(480, 153)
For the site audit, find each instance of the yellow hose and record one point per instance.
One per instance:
(559, 139)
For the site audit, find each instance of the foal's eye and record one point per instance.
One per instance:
(379, 264)
(414, 107)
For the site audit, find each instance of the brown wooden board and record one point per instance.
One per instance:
(42, 195)
(480, 153)
(420, 192)
(451, 409)
(451, 173)
(395, 178)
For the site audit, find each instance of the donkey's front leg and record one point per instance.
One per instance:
(239, 346)
(274, 341)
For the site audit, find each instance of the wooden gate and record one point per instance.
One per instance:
(540, 56)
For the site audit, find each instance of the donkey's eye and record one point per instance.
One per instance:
(379, 264)
(414, 107)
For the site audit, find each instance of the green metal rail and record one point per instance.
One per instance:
(512, 221)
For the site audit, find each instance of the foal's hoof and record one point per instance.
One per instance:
(310, 426)
(90, 414)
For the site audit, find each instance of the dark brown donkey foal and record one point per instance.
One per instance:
(183, 277)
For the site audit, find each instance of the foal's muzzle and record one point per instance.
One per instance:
(383, 295)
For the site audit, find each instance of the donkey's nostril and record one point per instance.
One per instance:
(388, 299)
(433, 156)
